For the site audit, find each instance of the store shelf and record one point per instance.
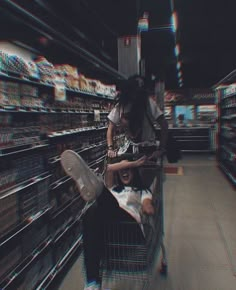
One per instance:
(35, 193)
(13, 77)
(228, 173)
(58, 268)
(227, 133)
(74, 131)
(20, 228)
(24, 185)
(194, 139)
(14, 276)
(46, 110)
(8, 151)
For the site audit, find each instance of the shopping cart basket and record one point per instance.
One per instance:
(127, 257)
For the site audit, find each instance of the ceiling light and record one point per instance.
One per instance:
(174, 22)
(178, 65)
(177, 50)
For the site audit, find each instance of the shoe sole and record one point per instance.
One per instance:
(89, 184)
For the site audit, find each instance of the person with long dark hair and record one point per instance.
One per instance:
(136, 112)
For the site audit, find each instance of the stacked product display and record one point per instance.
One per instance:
(44, 109)
(191, 116)
(227, 131)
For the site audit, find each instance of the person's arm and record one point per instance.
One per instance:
(126, 164)
(110, 134)
(146, 200)
(113, 120)
(147, 206)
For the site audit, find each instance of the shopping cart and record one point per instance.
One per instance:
(128, 257)
(129, 260)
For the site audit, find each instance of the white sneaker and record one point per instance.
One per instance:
(89, 184)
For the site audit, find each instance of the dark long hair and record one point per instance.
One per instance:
(135, 94)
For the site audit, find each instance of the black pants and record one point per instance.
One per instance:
(105, 209)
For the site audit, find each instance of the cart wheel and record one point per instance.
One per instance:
(164, 268)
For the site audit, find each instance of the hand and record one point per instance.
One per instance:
(141, 161)
(156, 154)
(147, 207)
(111, 153)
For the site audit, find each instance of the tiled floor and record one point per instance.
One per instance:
(200, 232)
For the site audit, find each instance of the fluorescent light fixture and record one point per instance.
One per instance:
(177, 50)
(174, 22)
(143, 24)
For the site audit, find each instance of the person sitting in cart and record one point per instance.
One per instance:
(124, 201)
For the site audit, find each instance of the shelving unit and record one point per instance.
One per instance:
(40, 206)
(192, 139)
(227, 131)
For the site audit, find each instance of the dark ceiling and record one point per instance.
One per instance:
(85, 32)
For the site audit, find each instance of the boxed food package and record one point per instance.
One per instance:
(46, 69)
(70, 74)
(83, 83)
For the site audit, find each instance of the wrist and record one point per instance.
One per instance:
(110, 147)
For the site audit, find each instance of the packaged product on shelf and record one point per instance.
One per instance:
(70, 74)
(11, 63)
(92, 84)
(34, 235)
(36, 272)
(60, 87)
(2, 86)
(10, 256)
(12, 94)
(111, 90)
(9, 212)
(28, 91)
(33, 70)
(83, 83)
(100, 88)
(3, 61)
(46, 70)
(8, 178)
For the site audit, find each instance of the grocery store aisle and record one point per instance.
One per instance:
(200, 231)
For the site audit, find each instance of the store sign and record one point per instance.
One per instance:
(204, 96)
(194, 96)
